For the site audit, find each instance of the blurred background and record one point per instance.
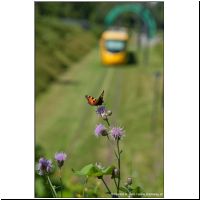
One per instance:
(82, 48)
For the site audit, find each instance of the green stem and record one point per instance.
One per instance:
(109, 192)
(118, 159)
(112, 146)
(52, 187)
(84, 187)
(115, 183)
(127, 190)
(61, 184)
(107, 122)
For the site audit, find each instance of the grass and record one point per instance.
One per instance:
(58, 46)
(64, 120)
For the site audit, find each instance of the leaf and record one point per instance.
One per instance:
(124, 189)
(108, 170)
(130, 189)
(88, 170)
(93, 170)
(138, 191)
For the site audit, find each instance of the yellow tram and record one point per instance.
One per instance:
(113, 46)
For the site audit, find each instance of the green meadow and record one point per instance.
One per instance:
(65, 122)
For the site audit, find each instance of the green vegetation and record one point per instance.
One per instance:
(58, 46)
(95, 12)
(64, 120)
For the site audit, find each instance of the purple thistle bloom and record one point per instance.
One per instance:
(100, 110)
(44, 166)
(117, 132)
(101, 130)
(60, 158)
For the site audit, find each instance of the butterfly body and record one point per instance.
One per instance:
(93, 101)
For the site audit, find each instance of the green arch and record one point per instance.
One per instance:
(140, 10)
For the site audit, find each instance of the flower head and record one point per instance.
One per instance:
(100, 110)
(44, 166)
(60, 158)
(117, 132)
(101, 130)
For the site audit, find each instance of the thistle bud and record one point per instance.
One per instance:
(129, 180)
(104, 116)
(109, 112)
(115, 173)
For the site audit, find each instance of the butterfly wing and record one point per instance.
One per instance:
(95, 102)
(100, 99)
(91, 100)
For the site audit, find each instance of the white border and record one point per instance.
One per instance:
(17, 99)
(181, 113)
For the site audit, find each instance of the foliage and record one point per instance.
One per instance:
(90, 10)
(93, 170)
(57, 46)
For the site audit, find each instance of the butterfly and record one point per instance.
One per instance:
(95, 102)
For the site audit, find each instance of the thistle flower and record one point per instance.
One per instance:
(100, 110)
(117, 132)
(101, 130)
(104, 113)
(60, 158)
(44, 166)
